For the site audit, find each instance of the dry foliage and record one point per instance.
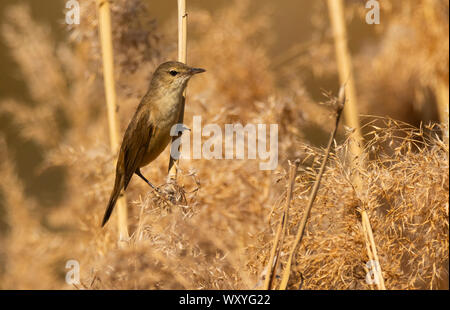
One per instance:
(222, 237)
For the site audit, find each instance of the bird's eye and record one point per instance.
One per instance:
(173, 72)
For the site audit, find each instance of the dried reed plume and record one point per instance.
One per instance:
(221, 238)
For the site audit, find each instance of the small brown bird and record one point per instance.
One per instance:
(148, 133)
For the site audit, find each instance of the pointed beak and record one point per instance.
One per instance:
(196, 70)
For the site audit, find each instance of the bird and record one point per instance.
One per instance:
(148, 132)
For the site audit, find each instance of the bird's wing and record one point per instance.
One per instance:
(135, 143)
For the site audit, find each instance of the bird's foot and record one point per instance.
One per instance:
(170, 196)
(174, 192)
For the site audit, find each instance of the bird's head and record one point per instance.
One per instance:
(173, 76)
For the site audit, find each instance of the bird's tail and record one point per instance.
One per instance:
(118, 185)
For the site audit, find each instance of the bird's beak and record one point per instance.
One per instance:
(196, 70)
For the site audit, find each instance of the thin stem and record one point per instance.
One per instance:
(182, 57)
(281, 231)
(315, 189)
(104, 18)
(346, 77)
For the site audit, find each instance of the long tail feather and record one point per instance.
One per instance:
(118, 184)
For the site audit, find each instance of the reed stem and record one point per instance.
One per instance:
(282, 230)
(346, 77)
(182, 55)
(442, 98)
(104, 23)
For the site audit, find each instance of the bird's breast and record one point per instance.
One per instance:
(163, 121)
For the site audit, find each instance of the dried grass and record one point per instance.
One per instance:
(222, 238)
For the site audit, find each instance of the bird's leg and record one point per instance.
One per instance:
(138, 172)
(157, 191)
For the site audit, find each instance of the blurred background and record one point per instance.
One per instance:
(266, 61)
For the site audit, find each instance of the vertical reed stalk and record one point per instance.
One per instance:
(372, 250)
(442, 98)
(182, 31)
(337, 17)
(272, 266)
(273, 251)
(440, 85)
(104, 22)
(346, 77)
(182, 55)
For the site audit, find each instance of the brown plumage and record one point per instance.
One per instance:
(148, 133)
